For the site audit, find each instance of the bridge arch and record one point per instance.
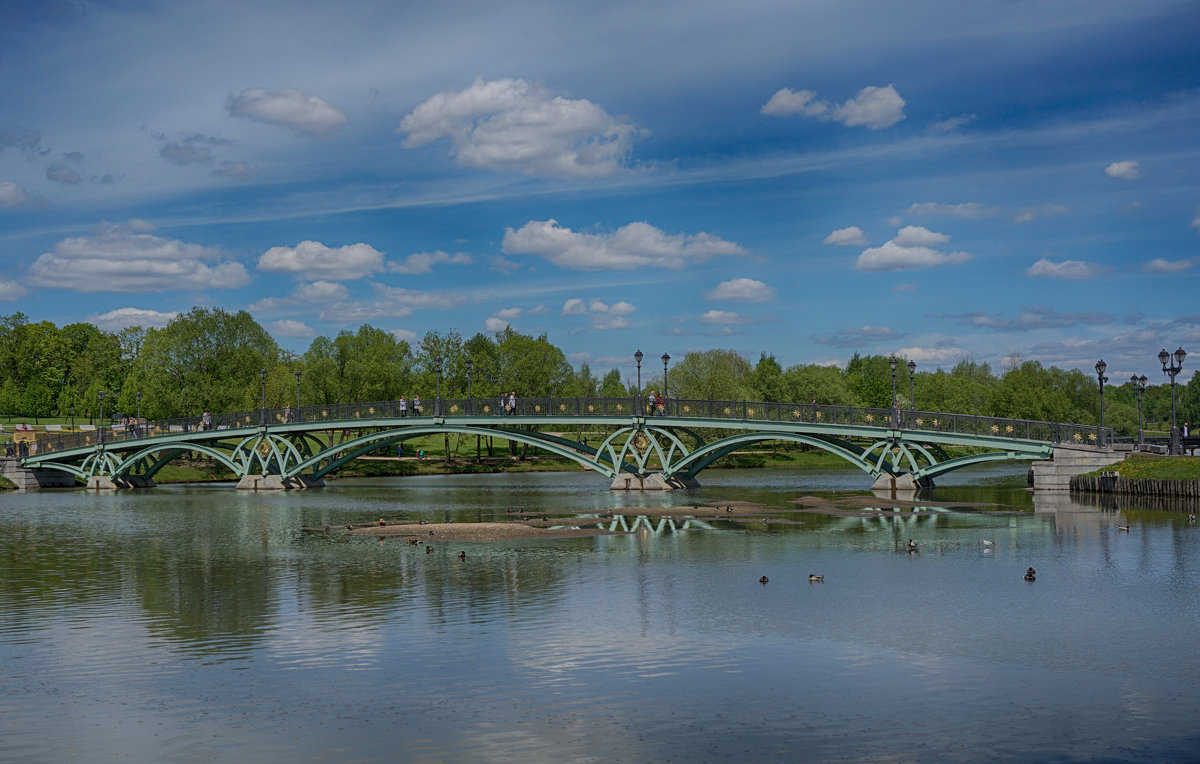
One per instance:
(702, 457)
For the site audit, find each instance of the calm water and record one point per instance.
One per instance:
(200, 624)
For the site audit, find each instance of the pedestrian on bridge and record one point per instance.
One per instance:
(206, 421)
(403, 407)
(512, 402)
(416, 405)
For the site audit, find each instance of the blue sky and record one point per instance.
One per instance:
(943, 180)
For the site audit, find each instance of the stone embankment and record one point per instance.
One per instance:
(1114, 483)
(12, 470)
(1070, 462)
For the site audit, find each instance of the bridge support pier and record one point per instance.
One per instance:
(275, 483)
(652, 482)
(902, 482)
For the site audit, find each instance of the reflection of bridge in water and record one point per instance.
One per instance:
(281, 448)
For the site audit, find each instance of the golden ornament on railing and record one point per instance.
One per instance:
(796, 413)
(936, 424)
(487, 409)
(356, 415)
(920, 422)
(325, 414)
(995, 429)
(870, 417)
(818, 415)
(1077, 437)
(727, 411)
(454, 409)
(749, 412)
(687, 409)
(247, 419)
(591, 408)
(562, 407)
(1008, 428)
(371, 410)
(537, 407)
(1092, 436)
(620, 407)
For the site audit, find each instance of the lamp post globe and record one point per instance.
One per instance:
(470, 367)
(262, 411)
(1101, 367)
(665, 359)
(638, 357)
(912, 396)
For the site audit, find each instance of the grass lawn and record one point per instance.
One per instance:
(1150, 467)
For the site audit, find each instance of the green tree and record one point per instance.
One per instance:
(767, 379)
(611, 385)
(825, 385)
(713, 375)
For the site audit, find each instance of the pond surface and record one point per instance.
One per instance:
(198, 623)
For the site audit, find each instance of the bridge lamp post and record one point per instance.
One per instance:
(893, 363)
(138, 425)
(72, 418)
(297, 395)
(912, 396)
(470, 368)
(1172, 369)
(1139, 387)
(262, 411)
(100, 395)
(1101, 366)
(665, 359)
(638, 357)
(437, 401)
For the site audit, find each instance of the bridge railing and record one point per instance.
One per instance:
(734, 411)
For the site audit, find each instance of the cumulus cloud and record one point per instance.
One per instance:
(511, 125)
(1163, 265)
(603, 315)
(873, 107)
(286, 327)
(418, 299)
(1035, 317)
(11, 194)
(318, 292)
(637, 245)
(313, 259)
(1194, 224)
(1127, 170)
(725, 317)
(405, 335)
(969, 210)
(423, 262)
(296, 111)
(843, 237)
(28, 142)
(935, 355)
(11, 290)
(495, 324)
(857, 336)
(741, 290)
(912, 247)
(1071, 270)
(123, 318)
(127, 257)
(60, 173)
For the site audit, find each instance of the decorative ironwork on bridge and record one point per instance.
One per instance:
(611, 436)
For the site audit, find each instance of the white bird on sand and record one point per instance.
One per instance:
(987, 543)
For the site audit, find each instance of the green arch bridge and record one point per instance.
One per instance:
(617, 438)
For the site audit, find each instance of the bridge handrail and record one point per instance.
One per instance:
(621, 408)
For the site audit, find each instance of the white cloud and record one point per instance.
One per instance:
(1127, 170)
(1071, 270)
(911, 248)
(312, 259)
(850, 236)
(787, 101)
(742, 290)
(918, 236)
(509, 313)
(423, 262)
(320, 291)
(969, 210)
(502, 264)
(127, 258)
(937, 355)
(357, 312)
(951, 124)
(11, 290)
(604, 316)
(123, 318)
(1043, 211)
(60, 173)
(1163, 265)
(286, 327)
(858, 336)
(874, 107)
(725, 317)
(418, 299)
(405, 335)
(11, 194)
(1196, 221)
(495, 324)
(515, 126)
(301, 113)
(637, 245)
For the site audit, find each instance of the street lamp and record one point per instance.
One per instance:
(470, 368)
(1100, 368)
(72, 418)
(437, 401)
(138, 424)
(100, 395)
(912, 397)
(1172, 369)
(262, 412)
(665, 359)
(893, 363)
(638, 357)
(297, 395)
(1139, 387)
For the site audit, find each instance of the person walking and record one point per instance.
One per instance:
(403, 407)
(206, 421)
(512, 402)
(416, 405)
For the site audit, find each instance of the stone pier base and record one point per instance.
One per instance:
(1069, 461)
(652, 482)
(101, 483)
(275, 483)
(902, 482)
(21, 477)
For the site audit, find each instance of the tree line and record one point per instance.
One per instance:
(209, 359)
